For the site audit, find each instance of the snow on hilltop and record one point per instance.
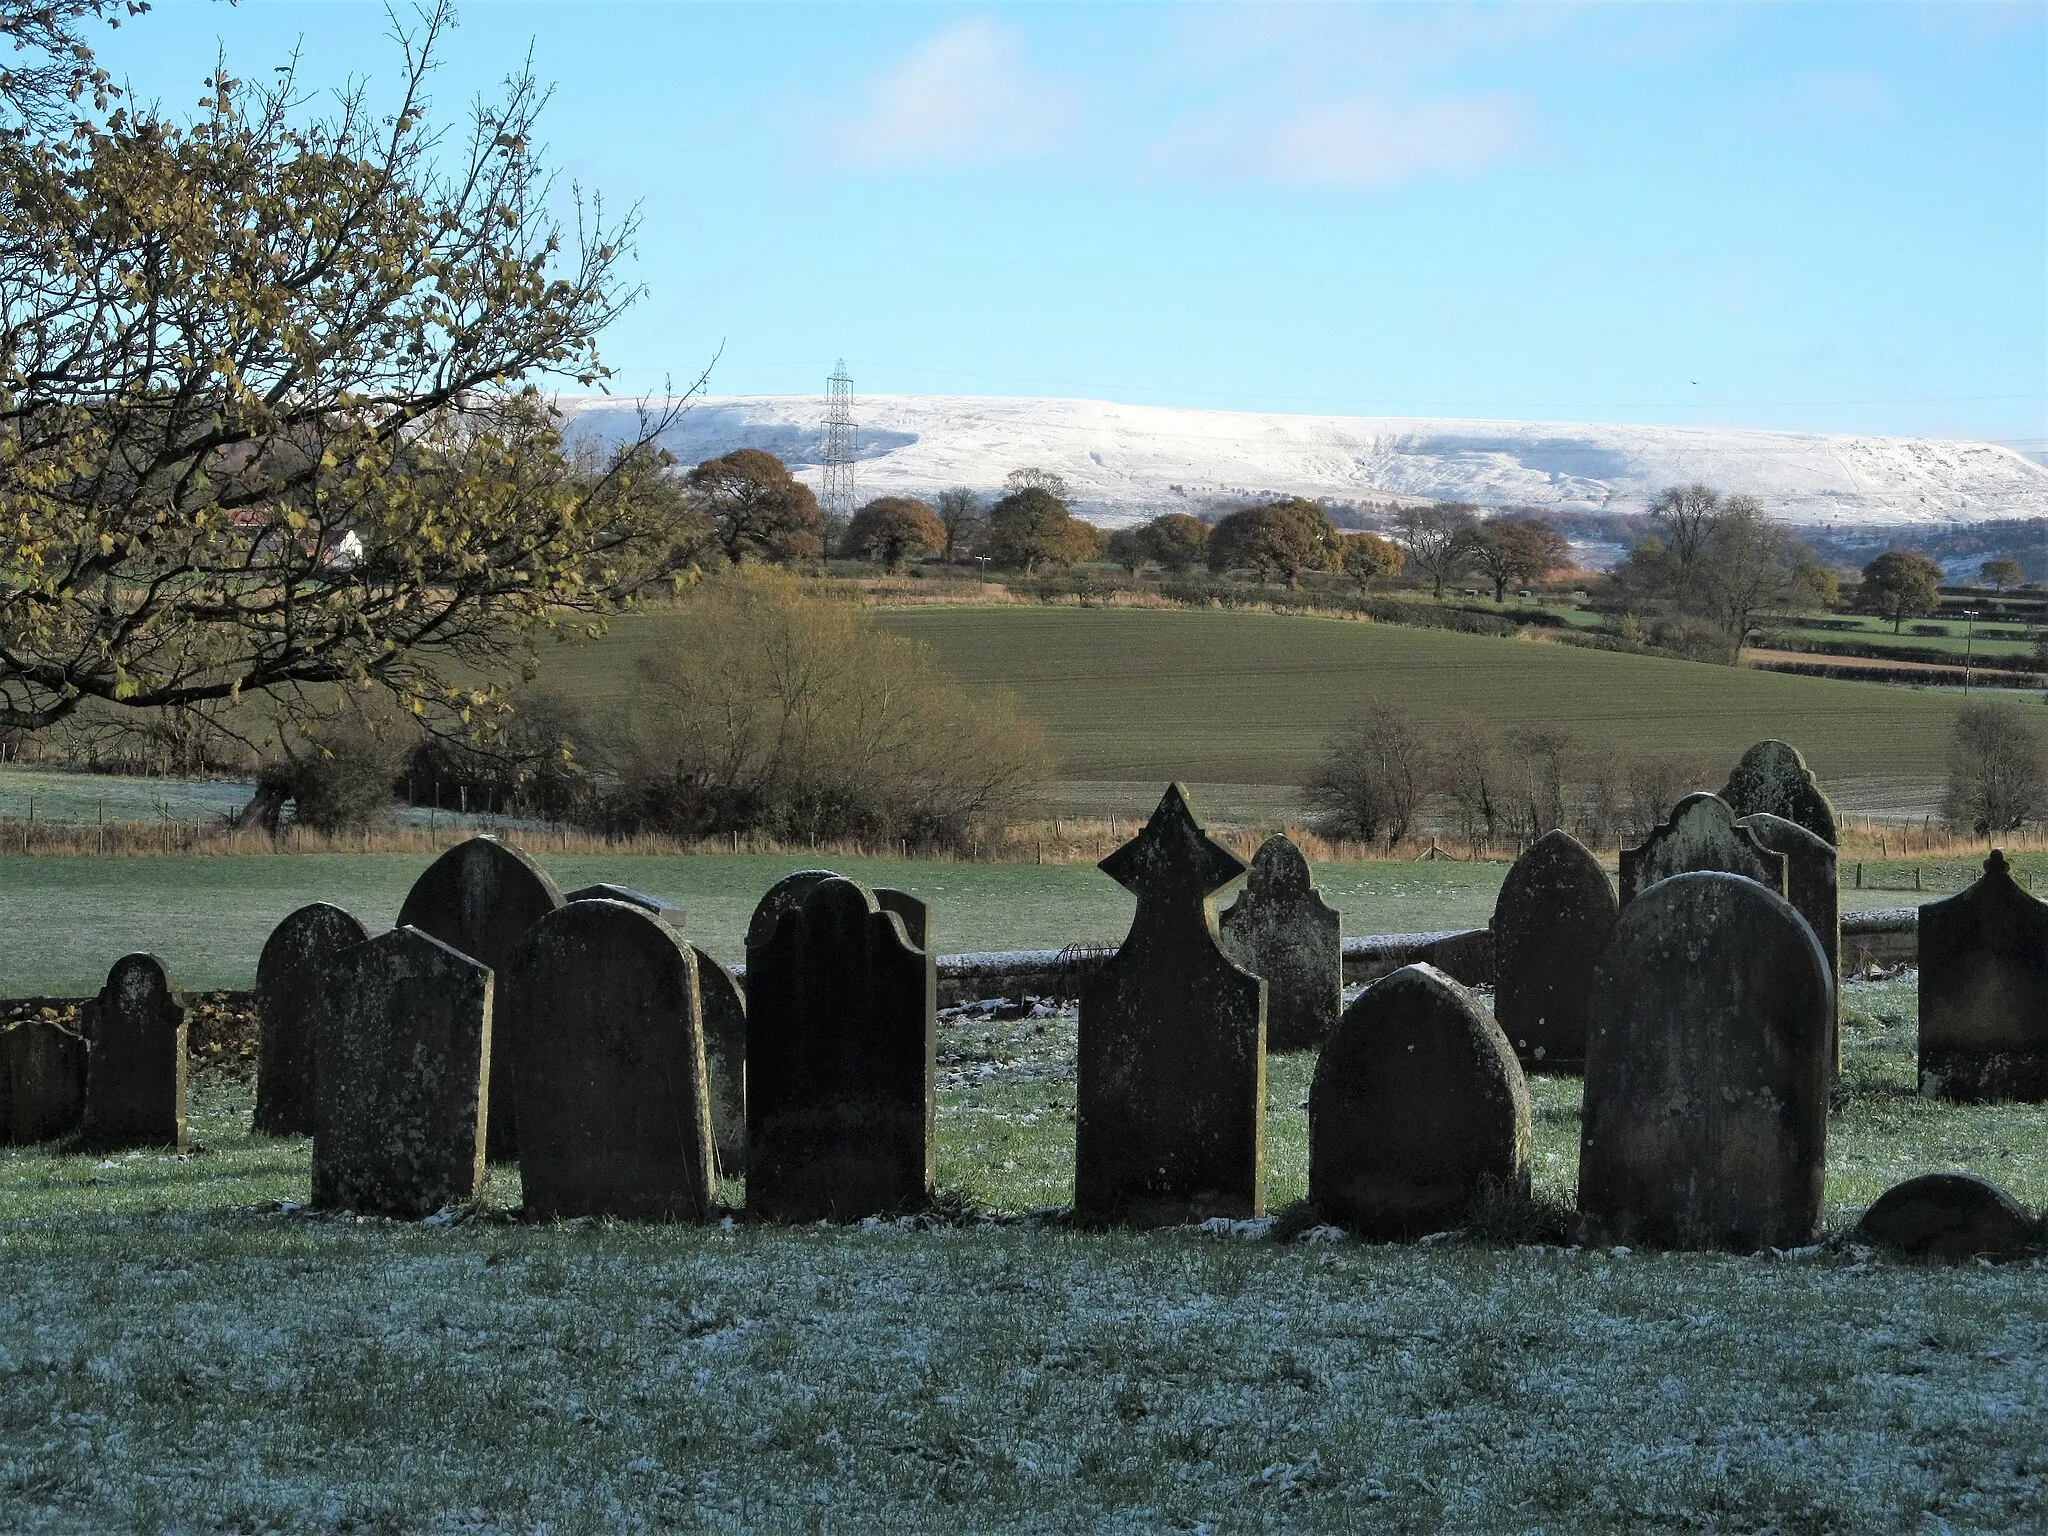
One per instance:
(1126, 463)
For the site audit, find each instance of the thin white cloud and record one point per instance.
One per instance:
(969, 93)
(1375, 142)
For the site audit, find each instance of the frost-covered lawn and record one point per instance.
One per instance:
(176, 1352)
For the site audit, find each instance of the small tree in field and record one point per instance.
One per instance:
(1375, 774)
(1276, 543)
(1437, 539)
(1178, 542)
(891, 529)
(1900, 585)
(958, 509)
(1032, 527)
(1129, 548)
(2002, 573)
(1367, 558)
(757, 507)
(1517, 549)
(1996, 777)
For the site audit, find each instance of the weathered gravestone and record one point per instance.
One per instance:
(46, 1066)
(667, 911)
(1950, 1216)
(790, 892)
(1555, 913)
(1814, 891)
(1702, 834)
(725, 1060)
(480, 897)
(842, 1041)
(402, 1035)
(1773, 779)
(1280, 928)
(1984, 991)
(287, 981)
(606, 1041)
(135, 1074)
(1418, 1107)
(1171, 1092)
(1705, 1113)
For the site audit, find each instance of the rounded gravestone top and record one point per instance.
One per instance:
(479, 897)
(1772, 777)
(1781, 834)
(137, 983)
(1279, 868)
(313, 932)
(1950, 1216)
(784, 895)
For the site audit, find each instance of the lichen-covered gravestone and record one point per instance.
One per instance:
(842, 1042)
(1280, 928)
(1950, 1216)
(287, 986)
(1418, 1107)
(1705, 1113)
(725, 1060)
(402, 1035)
(606, 1040)
(1555, 913)
(480, 897)
(46, 1067)
(135, 1076)
(1701, 835)
(1814, 891)
(1171, 1091)
(1984, 991)
(790, 892)
(1773, 779)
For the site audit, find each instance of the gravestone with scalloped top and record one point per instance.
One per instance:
(1280, 928)
(1984, 991)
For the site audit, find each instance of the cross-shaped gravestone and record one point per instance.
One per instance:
(287, 987)
(135, 1078)
(1773, 779)
(1701, 836)
(1280, 928)
(1984, 991)
(1171, 1113)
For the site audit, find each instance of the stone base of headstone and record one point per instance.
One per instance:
(1950, 1216)
(1984, 1077)
(45, 1067)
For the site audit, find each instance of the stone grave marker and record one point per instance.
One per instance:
(46, 1067)
(790, 891)
(1555, 913)
(1773, 779)
(842, 1043)
(1281, 929)
(725, 1061)
(1950, 1216)
(1417, 1108)
(135, 1073)
(606, 1040)
(1984, 991)
(1171, 1069)
(480, 897)
(1705, 1114)
(402, 1036)
(287, 979)
(1702, 834)
(670, 912)
(1812, 888)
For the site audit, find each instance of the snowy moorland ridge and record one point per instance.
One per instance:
(1126, 463)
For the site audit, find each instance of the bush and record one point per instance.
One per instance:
(337, 774)
(1995, 777)
(1374, 776)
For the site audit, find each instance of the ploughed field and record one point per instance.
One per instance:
(182, 1348)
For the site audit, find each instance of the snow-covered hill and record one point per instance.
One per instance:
(1125, 463)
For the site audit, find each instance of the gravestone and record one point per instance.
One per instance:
(842, 1042)
(46, 1068)
(135, 1074)
(1773, 779)
(1984, 991)
(287, 979)
(1170, 1119)
(1418, 1107)
(725, 1061)
(789, 892)
(1280, 928)
(606, 1041)
(1814, 891)
(1705, 1114)
(402, 1035)
(1555, 913)
(1950, 1216)
(480, 897)
(1702, 834)
(667, 911)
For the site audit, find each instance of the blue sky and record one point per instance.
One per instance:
(1821, 217)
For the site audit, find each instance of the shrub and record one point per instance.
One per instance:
(1374, 775)
(1995, 777)
(337, 774)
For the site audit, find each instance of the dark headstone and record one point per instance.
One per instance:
(1555, 914)
(1705, 1112)
(1984, 992)
(606, 1041)
(1417, 1108)
(402, 1035)
(135, 1080)
(785, 895)
(842, 1040)
(1950, 1216)
(1812, 888)
(287, 983)
(1280, 928)
(46, 1067)
(669, 912)
(1701, 835)
(1773, 779)
(915, 914)
(725, 1061)
(480, 897)
(1171, 1092)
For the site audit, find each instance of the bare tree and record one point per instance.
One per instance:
(1655, 784)
(1374, 775)
(1686, 514)
(1996, 781)
(1437, 539)
(1468, 774)
(1748, 565)
(1539, 761)
(959, 510)
(1035, 479)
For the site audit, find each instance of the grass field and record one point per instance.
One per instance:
(183, 1352)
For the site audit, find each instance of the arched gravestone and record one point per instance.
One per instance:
(480, 897)
(46, 1068)
(1705, 1113)
(789, 893)
(842, 1042)
(402, 1035)
(135, 1073)
(1950, 1216)
(669, 912)
(1701, 835)
(1170, 1122)
(725, 1060)
(1555, 913)
(1815, 892)
(1417, 1107)
(1773, 779)
(1280, 928)
(1984, 991)
(288, 977)
(606, 1038)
